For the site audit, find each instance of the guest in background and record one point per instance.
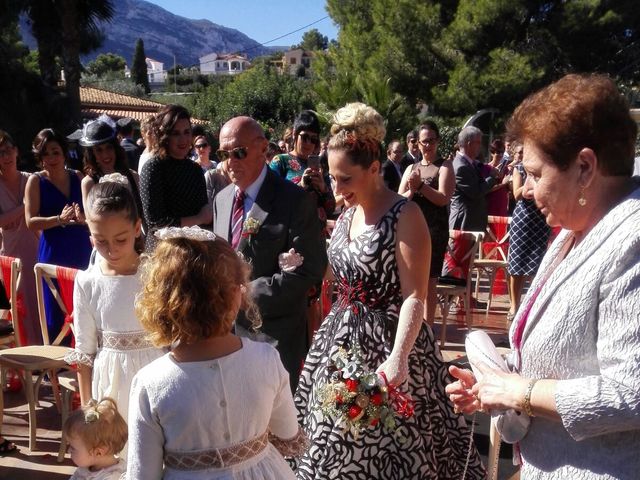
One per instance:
(150, 143)
(125, 134)
(528, 237)
(468, 203)
(430, 183)
(394, 166)
(172, 186)
(413, 154)
(18, 240)
(54, 206)
(202, 148)
(103, 155)
(294, 166)
(498, 196)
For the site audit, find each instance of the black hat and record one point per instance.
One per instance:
(96, 132)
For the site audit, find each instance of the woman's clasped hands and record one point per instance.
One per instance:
(71, 213)
(495, 390)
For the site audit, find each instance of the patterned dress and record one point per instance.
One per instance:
(528, 235)
(437, 440)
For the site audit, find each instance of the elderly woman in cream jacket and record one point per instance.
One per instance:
(576, 336)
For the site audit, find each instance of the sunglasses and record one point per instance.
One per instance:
(305, 137)
(238, 153)
(201, 145)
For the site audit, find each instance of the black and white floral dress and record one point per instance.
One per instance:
(436, 441)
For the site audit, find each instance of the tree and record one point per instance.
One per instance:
(66, 28)
(261, 93)
(107, 64)
(313, 40)
(462, 55)
(139, 73)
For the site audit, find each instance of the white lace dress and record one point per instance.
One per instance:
(114, 472)
(199, 417)
(109, 337)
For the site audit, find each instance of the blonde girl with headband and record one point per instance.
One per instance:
(217, 406)
(96, 433)
(111, 345)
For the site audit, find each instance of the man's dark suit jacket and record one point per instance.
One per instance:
(133, 152)
(407, 160)
(391, 176)
(468, 203)
(288, 219)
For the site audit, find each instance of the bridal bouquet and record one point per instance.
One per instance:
(359, 398)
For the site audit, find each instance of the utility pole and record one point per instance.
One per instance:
(175, 75)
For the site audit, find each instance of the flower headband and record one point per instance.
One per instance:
(115, 178)
(192, 233)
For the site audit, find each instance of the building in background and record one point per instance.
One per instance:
(224, 64)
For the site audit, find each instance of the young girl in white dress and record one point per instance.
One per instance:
(111, 345)
(96, 433)
(218, 406)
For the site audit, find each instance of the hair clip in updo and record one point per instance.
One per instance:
(91, 416)
(192, 233)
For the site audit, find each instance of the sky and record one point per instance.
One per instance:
(261, 20)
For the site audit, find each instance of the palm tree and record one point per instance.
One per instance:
(67, 28)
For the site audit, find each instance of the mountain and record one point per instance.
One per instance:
(164, 35)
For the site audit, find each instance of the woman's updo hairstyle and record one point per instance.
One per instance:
(358, 130)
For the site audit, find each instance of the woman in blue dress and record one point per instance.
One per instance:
(54, 207)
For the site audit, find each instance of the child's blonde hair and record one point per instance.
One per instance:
(98, 424)
(188, 287)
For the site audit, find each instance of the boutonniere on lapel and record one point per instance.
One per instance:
(250, 227)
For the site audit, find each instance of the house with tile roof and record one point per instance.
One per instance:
(95, 101)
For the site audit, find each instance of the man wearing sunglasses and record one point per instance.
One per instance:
(413, 154)
(302, 166)
(262, 216)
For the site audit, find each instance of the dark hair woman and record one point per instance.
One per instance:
(171, 185)
(103, 155)
(54, 205)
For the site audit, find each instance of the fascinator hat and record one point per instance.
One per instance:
(98, 131)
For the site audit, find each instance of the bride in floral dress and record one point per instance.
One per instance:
(379, 254)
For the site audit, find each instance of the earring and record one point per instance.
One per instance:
(581, 200)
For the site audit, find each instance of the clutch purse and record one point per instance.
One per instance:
(512, 425)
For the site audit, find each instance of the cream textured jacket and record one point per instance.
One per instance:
(584, 330)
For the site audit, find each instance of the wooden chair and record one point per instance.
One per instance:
(37, 359)
(464, 261)
(63, 294)
(492, 253)
(10, 334)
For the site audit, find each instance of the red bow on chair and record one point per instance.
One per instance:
(5, 265)
(66, 277)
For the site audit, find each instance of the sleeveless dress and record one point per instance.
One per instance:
(437, 216)
(528, 235)
(22, 243)
(67, 246)
(437, 441)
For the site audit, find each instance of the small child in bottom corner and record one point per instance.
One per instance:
(95, 434)
(217, 406)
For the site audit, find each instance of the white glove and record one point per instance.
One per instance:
(289, 261)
